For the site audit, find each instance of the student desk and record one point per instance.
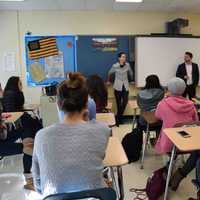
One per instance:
(116, 157)
(108, 118)
(133, 104)
(182, 144)
(14, 117)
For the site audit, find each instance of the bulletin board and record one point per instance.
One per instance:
(49, 58)
(94, 60)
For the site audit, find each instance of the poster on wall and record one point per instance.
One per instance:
(105, 44)
(49, 58)
(9, 62)
(54, 66)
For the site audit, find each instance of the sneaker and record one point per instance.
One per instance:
(29, 184)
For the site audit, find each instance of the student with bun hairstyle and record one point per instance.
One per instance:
(68, 156)
(91, 106)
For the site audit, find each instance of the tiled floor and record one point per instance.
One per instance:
(11, 178)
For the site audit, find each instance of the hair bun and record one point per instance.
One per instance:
(69, 104)
(76, 80)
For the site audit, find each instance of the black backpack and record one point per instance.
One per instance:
(132, 144)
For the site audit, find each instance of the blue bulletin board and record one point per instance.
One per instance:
(46, 70)
(93, 60)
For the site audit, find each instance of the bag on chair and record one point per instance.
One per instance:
(155, 186)
(132, 143)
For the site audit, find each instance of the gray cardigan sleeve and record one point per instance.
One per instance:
(36, 171)
(112, 70)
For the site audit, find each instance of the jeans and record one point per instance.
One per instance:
(190, 163)
(121, 100)
(8, 147)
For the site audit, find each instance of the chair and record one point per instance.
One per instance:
(152, 124)
(102, 194)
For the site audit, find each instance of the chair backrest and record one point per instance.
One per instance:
(150, 117)
(102, 194)
(187, 124)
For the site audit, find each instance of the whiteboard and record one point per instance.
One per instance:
(161, 56)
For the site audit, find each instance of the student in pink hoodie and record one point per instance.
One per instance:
(172, 110)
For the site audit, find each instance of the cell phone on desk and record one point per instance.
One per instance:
(184, 134)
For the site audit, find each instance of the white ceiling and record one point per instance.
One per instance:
(147, 5)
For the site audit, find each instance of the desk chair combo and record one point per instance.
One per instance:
(181, 145)
(101, 194)
(15, 148)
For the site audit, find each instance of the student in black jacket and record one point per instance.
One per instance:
(13, 101)
(189, 72)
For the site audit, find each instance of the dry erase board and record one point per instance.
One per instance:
(49, 58)
(162, 55)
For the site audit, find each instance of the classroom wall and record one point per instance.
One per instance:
(80, 22)
(8, 42)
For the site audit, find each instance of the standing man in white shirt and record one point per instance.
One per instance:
(189, 72)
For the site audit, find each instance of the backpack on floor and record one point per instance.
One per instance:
(155, 186)
(132, 144)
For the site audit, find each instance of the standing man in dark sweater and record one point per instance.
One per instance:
(189, 72)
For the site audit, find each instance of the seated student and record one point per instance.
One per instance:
(69, 156)
(149, 97)
(181, 173)
(13, 97)
(13, 101)
(98, 91)
(8, 147)
(172, 110)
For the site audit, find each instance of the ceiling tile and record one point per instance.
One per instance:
(147, 5)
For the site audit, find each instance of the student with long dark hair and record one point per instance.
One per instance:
(13, 97)
(98, 91)
(149, 97)
(13, 101)
(68, 156)
(122, 70)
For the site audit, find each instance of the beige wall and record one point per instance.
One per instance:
(8, 42)
(91, 22)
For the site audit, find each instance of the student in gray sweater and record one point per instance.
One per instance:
(68, 156)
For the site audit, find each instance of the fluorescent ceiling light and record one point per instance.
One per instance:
(10, 0)
(129, 1)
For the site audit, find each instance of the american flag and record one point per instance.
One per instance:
(42, 48)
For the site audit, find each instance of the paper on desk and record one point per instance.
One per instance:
(9, 61)
(54, 66)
